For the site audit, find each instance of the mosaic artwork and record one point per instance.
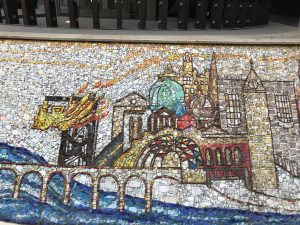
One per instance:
(94, 133)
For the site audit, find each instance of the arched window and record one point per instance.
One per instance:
(238, 158)
(228, 156)
(219, 157)
(209, 157)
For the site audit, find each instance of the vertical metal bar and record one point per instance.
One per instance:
(1, 14)
(127, 9)
(96, 14)
(119, 14)
(58, 9)
(62, 149)
(142, 6)
(268, 6)
(28, 11)
(251, 13)
(151, 9)
(216, 17)
(73, 13)
(242, 13)
(201, 14)
(230, 13)
(50, 12)
(10, 11)
(163, 14)
(264, 12)
(259, 13)
(183, 14)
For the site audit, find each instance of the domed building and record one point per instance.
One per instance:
(167, 93)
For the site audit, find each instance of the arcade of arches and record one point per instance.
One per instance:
(200, 158)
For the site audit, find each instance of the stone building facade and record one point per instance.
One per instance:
(225, 115)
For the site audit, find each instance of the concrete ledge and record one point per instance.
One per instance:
(273, 34)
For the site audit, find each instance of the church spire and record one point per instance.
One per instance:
(213, 87)
(213, 79)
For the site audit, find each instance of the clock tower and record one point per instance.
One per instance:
(259, 134)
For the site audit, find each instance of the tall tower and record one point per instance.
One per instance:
(213, 79)
(213, 87)
(187, 76)
(259, 134)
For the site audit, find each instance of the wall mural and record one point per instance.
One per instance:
(95, 133)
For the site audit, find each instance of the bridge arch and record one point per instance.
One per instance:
(101, 177)
(135, 197)
(122, 177)
(10, 169)
(86, 189)
(20, 183)
(50, 178)
(107, 202)
(166, 181)
(3, 172)
(29, 172)
(138, 177)
(165, 177)
(50, 175)
(171, 152)
(83, 173)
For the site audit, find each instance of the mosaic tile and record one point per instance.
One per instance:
(95, 133)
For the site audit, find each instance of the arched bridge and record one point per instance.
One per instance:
(122, 176)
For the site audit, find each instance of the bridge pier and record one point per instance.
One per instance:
(17, 186)
(43, 194)
(95, 194)
(67, 191)
(148, 198)
(120, 175)
(121, 198)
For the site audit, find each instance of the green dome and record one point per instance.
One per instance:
(166, 93)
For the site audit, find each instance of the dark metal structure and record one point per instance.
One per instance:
(78, 145)
(217, 13)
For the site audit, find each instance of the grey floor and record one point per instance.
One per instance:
(274, 32)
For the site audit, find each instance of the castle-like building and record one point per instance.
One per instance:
(210, 128)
